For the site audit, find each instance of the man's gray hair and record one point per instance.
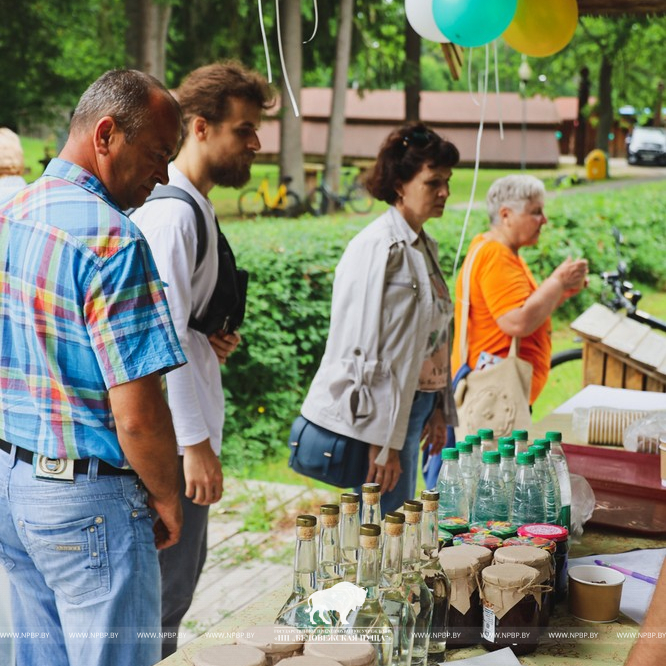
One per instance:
(123, 94)
(514, 192)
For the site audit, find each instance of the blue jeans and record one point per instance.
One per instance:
(405, 489)
(83, 568)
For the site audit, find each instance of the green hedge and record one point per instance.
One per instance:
(291, 263)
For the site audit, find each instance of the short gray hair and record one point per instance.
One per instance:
(512, 191)
(123, 94)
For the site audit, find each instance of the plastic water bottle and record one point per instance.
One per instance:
(468, 471)
(548, 484)
(475, 441)
(451, 487)
(520, 437)
(491, 501)
(551, 468)
(487, 439)
(562, 470)
(527, 505)
(508, 466)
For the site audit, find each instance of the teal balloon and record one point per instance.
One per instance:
(473, 22)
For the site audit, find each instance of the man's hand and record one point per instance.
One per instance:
(224, 344)
(169, 521)
(385, 475)
(204, 482)
(434, 433)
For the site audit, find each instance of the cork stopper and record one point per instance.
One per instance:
(349, 502)
(413, 510)
(239, 655)
(369, 535)
(370, 493)
(329, 515)
(305, 527)
(393, 523)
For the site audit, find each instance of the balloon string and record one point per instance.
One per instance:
(469, 78)
(284, 67)
(269, 73)
(499, 98)
(316, 22)
(484, 99)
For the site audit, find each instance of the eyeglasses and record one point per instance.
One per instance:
(418, 138)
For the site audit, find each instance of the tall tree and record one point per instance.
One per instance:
(145, 35)
(412, 74)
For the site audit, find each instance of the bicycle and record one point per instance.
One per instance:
(259, 201)
(322, 198)
(622, 296)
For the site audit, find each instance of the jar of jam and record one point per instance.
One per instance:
(453, 525)
(277, 642)
(445, 539)
(481, 553)
(510, 609)
(484, 539)
(499, 528)
(541, 561)
(560, 535)
(462, 567)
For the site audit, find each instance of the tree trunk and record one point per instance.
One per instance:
(605, 106)
(291, 145)
(145, 37)
(581, 128)
(412, 73)
(336, 127)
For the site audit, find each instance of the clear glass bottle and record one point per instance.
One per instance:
(414, 586)
(468, 469)
(528, 504)
(491, 501)
(371, 513)
(562, 471)
(328, 566)
(549, 487)
(521, 438)
(435, 578)
(487, 437)
(370, 620)
(453, 501)
(475, 441)
(294, 612)
(349, 531)
(508, 467)
(392, 598)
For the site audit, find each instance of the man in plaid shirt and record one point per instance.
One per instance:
(88, 467)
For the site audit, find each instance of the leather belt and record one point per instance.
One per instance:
(80, 466)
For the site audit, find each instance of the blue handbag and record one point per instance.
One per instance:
(323, 455)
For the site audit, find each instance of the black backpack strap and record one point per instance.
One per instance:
(173, 192)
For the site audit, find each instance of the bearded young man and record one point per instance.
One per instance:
(222, 105)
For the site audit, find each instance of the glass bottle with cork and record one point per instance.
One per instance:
(349, 531)
(371, 512)
(328, 567)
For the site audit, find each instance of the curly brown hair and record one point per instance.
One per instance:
(403, 154)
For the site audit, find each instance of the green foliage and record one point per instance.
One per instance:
(292, 264)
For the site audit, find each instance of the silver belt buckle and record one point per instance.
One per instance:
(52, 469)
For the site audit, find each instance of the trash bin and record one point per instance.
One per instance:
(596, 165)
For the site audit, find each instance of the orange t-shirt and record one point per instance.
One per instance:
(500, 282)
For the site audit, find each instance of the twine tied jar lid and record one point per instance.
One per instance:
(271, 638)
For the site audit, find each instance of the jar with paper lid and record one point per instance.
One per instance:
(223, 655)
(481, 553)
(510, 609)
(560, 535)
(277, 642)
(462, 568)
(348, 651)
(541, 561)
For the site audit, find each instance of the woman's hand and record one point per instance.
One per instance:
(385, 475)
(434, 433)
(572, 274)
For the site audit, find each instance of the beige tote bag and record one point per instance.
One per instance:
(498, 396)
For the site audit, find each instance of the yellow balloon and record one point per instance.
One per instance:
(542, 27)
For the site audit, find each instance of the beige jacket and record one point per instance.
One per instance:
(380, 319)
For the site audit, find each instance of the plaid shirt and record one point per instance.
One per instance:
(82, 309)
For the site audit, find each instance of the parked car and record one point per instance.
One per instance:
(647, 146)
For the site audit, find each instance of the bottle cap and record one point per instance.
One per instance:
(490, 457)
(503, 441)
(395, 517)
(520, 435)
(350, 498)
(525, 458)
(541, 442)
(370, 488)
(485, 433)
(413, 505)
(429, 495)
(507, 451)
(464, 447)
(370, 529)
(474, 440)
(449, 454)
(538, 450)
(554, 436)
(553, 532)
(329, 509)
(306, 521)
(545, 443)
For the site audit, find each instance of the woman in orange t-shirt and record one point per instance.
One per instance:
(505, 300)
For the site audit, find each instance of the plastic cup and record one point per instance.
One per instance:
(595, 593)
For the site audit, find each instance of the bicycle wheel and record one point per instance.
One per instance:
(317, 201)
(291, 206)
(250, 203)
(566, 356)
(359, 199)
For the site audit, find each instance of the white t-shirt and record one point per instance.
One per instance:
(195, 391)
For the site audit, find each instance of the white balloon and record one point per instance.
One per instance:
(420, 17)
